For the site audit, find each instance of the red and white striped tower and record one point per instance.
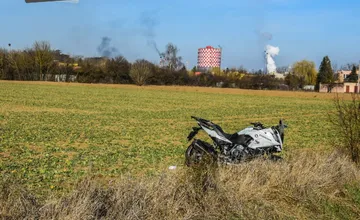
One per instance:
(208, 57)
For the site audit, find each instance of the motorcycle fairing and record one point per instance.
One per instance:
(253, 137)
(214, 134)
(262, 138)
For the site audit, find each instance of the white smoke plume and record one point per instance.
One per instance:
(270, 52)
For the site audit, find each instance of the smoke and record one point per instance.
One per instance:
(148, 22)
(263, 36)
(105, 49)
(270, 52)
(266, 35)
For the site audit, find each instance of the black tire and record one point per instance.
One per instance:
(194, 155)
(276, 158)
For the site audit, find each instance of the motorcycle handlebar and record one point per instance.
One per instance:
(256, 124)
(196, 118)
(200, 119)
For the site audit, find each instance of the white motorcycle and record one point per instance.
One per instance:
(249, 143)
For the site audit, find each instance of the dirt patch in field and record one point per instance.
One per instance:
(68, 154)
(122, 142)
(68, 143)
(5, 154)
(312, 95)
(22, 108)
(37, 149)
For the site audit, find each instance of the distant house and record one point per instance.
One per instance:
(279, 75)
(309, 88)
(346, 87)
(219, 84)
(341, 85)
(62, 78)
(342, 75)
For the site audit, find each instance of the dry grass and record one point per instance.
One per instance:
(305, 186)
(347, 124)
(274, 93)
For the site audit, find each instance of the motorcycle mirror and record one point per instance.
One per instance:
(281, 123)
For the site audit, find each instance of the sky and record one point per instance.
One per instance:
(302, 29)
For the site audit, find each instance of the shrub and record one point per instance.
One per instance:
(347, 125)
(141, 71)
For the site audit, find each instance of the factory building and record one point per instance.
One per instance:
(208, 57)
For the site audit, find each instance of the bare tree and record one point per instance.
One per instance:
(141, 71)
(349, 66)
(347, 124)
(4, 63)
(335, 67)
(242, 69)
(43, 58)
(172, 61)
(25, 64)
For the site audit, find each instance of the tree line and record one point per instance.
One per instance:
(42, 63)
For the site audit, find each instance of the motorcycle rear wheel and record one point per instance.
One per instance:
(194, 155)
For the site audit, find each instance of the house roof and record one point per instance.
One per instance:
(347, 72)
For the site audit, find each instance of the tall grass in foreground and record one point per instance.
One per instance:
(304, 186)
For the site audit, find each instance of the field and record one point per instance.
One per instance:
(54, 134)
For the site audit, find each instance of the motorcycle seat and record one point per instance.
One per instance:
(238, 139)
(234, 138)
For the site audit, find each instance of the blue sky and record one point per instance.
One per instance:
(302, 29)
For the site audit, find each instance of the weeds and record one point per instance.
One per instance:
(305, 186)
(347, 124)
(16, 202)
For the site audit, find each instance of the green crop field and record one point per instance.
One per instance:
(51, 134)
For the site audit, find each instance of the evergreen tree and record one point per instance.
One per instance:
(326, 74)
(353, 77)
